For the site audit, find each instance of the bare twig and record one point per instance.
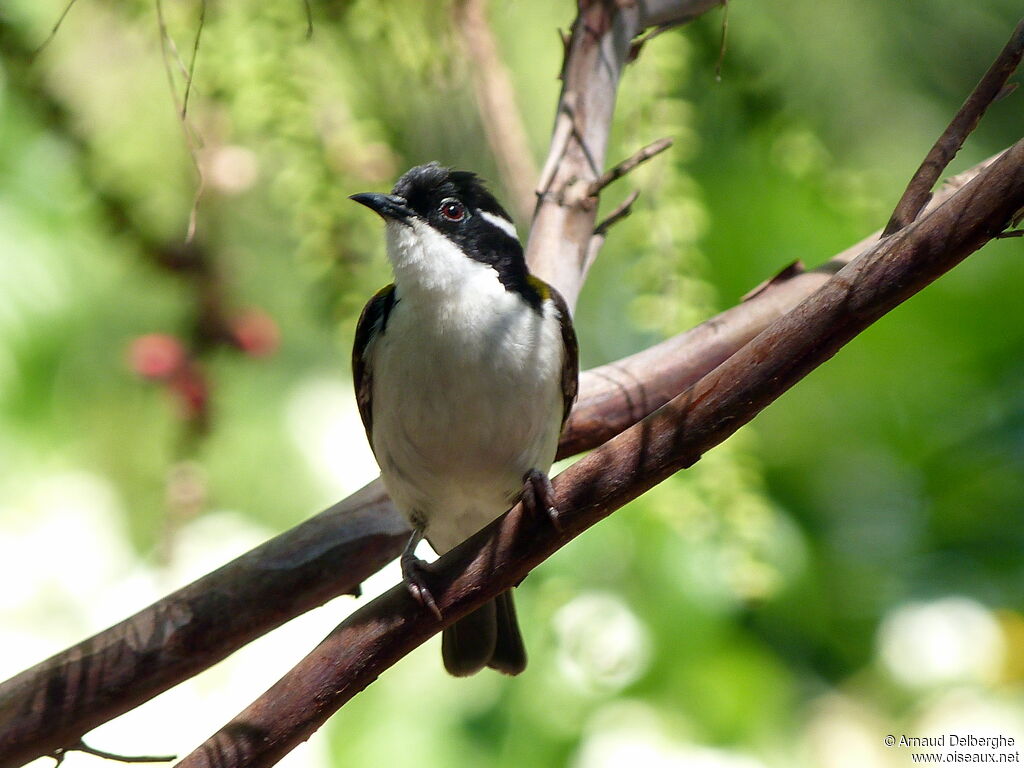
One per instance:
(54, 29)
(725, 41)
(168, 46)
(192, 61)
(621, 211)
(559, 143)
(81, 746)
(988, 89)
(637, 45)
(673, 438)
(193, 141)
(619, 170)
(309, 19)
(497, 105)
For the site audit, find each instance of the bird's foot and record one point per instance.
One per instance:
(414, 572)
(538, 496)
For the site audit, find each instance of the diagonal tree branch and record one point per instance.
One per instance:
(672, 438)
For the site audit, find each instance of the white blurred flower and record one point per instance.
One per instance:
(632, 733)
(601, 643)
(945, 641)
(61, 523)
(843, 733)
(971, 712)
(324, 422)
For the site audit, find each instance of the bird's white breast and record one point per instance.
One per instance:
(466, 389)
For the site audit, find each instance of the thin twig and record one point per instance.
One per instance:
(192, 138)
(309, 19)
(53, 31)
(637, 45)
(559, 142)
(621, 211)
(192, 62)
(619, 170)
(724, 43)
(168, 44)
(81, 746)
(599, 48)
(960, 127)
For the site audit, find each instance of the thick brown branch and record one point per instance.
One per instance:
(670, 439)
(966, 119)
(330, 554)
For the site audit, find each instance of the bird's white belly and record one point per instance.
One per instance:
(473, 402)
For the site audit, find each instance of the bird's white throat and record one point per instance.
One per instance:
(426, 261)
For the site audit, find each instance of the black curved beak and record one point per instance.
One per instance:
(387, 206)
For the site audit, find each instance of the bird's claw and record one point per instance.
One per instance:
(538, 495)
(414, 572)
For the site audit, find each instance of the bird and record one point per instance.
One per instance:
(465, 370)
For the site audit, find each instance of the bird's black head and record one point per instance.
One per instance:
(449, 200)
(459, 206)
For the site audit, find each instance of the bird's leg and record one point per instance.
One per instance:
(414, 571)
(538, 497)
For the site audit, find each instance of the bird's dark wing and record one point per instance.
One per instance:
(371, 325)
(571, 361)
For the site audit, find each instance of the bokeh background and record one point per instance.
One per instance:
(847, 567)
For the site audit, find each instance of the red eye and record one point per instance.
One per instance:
(452, 209)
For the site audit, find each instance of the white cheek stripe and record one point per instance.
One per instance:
(504, 225)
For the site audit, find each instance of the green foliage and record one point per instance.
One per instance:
(749, 609)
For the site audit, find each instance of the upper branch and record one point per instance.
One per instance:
(948, 144)
(596, 53)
